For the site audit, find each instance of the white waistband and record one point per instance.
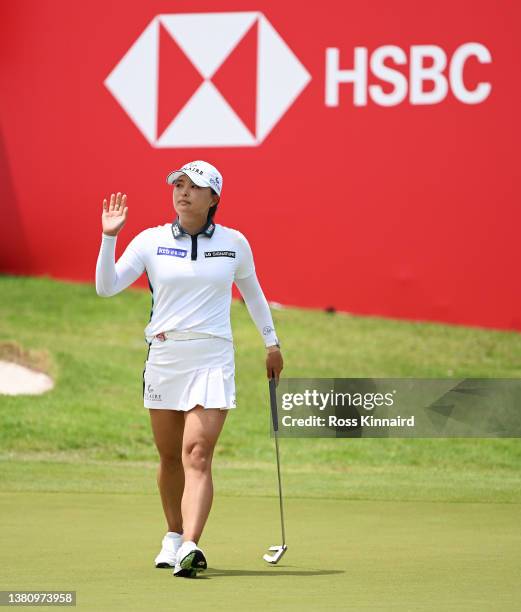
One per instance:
(185, 335)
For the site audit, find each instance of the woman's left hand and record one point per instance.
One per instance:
(274, 362)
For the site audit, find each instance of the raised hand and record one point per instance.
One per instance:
(114, 214)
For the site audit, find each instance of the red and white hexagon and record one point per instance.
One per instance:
(207, 80)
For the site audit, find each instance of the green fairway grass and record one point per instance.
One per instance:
(372, 524)
(96, 352)
(342, 555)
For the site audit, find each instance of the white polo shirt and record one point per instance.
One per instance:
(190, 277)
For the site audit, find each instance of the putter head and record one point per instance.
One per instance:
(278, 550)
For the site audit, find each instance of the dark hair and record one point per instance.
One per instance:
(213, 209)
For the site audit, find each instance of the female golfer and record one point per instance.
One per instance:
(188, 382)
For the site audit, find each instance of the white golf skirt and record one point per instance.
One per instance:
(181, 374)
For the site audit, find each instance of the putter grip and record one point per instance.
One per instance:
(273, 405)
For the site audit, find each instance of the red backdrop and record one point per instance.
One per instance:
(403, 209)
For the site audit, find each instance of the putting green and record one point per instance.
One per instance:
(356, 555)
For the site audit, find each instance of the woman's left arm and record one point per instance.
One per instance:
(260, 313)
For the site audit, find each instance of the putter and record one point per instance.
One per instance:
(278, 551)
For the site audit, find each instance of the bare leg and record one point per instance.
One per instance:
(167, 427)
(202, 429)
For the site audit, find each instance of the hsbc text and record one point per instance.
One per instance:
(403, 86)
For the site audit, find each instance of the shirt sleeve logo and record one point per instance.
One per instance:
(219, 254)
(171, 252)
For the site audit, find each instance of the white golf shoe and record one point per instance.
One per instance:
(170, 545)
(190, 559)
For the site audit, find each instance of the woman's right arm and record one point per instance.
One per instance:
(112, 277)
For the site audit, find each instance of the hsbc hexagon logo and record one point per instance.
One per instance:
(207, 80)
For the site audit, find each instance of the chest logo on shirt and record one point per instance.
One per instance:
(219, 254)
(172, 252)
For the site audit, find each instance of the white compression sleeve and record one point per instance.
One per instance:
(111, 277)
(257, 307)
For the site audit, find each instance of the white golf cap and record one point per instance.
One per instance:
(201, 173)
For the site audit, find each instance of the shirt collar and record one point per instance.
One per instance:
(178, 230)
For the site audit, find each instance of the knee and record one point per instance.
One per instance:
(170, 460)
(197, 456)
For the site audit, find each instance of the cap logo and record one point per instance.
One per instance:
(193, 169)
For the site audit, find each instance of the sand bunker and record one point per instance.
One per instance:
(16, 379)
